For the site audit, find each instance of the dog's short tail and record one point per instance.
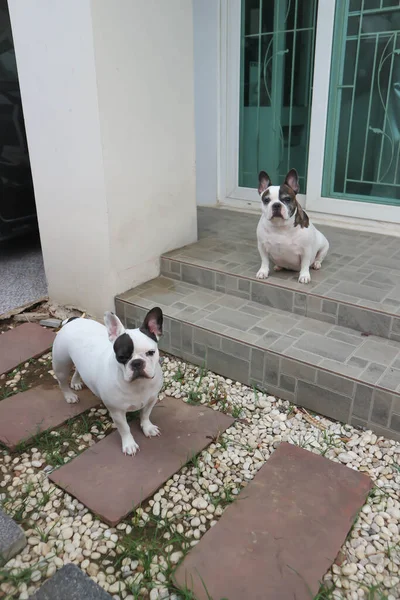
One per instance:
(68, 320)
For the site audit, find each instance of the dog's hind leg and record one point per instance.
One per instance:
(321, 254)
(76, 382)
(62, 365)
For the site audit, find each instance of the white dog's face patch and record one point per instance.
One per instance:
(279, 203)
(136, 350)
(137, 354)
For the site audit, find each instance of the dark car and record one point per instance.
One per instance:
(17, 200)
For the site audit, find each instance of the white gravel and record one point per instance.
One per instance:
(60, 530)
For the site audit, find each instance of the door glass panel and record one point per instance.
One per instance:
(277, 60)
(362, 154)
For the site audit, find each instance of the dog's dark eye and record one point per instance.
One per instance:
(265, 199)
(285, 200)
(150, 353)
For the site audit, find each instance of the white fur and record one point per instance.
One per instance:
(288, 247)
(88, 346)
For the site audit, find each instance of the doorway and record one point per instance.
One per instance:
(363, 126)
(314, 85)
(21, 263)
(277, 63)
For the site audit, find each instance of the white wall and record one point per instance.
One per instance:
(59, 96)
(144, 66)
(206, 24)
(107, 92)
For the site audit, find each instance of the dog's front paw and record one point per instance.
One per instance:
(316, 266)
(262, 273)
(150, 430)
(77, 386)
(304, 278)
(71, 398)
(129, 446)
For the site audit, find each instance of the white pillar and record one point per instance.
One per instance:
(107, 93)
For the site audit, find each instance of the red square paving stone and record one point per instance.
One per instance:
(43, 407)
(281, 535)
(112, 485)
(22, 343)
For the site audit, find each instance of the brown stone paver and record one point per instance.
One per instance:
(22, 343)
(43, 407)
(112, 485)
(281, 535)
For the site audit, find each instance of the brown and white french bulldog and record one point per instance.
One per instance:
(285, 234)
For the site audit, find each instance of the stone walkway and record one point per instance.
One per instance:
(29, 413)
(22, 343)
(111, 485)
(281, 535)
(294, 491)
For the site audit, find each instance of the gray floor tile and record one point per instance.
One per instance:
(324, 347)
(323, 401)
(390, 379)
(376, 352)
(232, 318)
(373, 373)
(280, 323)
(22, 273)
(353, 263)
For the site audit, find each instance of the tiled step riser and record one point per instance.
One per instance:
(269, 294)
(312, 387)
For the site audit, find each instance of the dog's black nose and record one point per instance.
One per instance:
(137, 363)
(276, 206)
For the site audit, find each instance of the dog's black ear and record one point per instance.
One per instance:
(301, 217)
(292, 180)
(263, 182)
(152, 324)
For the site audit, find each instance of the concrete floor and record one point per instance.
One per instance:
(22, 277)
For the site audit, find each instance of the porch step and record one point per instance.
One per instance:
(357, 287)
(333, 370)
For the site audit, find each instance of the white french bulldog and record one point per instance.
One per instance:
(285, 234)
(120, 366)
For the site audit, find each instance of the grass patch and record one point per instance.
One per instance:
(36, 372)
(144, 544)
(31, 498)
(179, 375)
(374, 592)
(224, 497)
(194, 395)
(236, 411)
(55, 444)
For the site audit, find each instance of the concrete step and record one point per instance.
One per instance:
(357, 287)
(333, 370)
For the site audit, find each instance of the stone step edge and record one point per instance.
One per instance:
(312, 387)
(302, 302)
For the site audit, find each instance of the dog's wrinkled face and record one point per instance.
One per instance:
(279, 203)
(136, 350)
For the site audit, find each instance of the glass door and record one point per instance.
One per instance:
(362, 151)
(277, 63)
